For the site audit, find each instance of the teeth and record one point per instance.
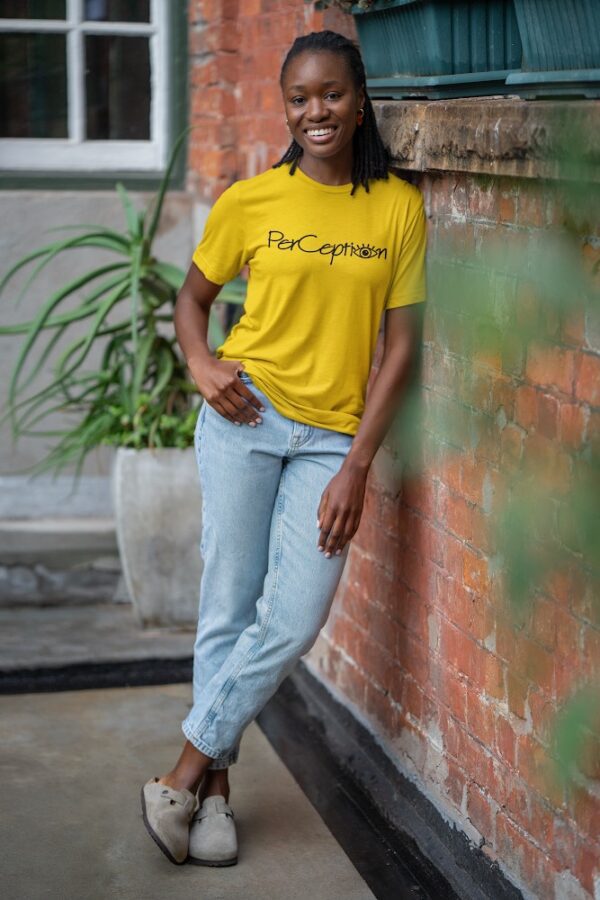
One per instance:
(318, 132)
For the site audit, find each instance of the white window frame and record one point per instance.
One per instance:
(75, 153)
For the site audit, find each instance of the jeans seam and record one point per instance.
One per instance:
(227, 687)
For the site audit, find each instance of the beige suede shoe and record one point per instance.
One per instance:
(213, 838)
(167, 814)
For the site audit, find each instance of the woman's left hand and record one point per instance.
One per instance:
(340, 509)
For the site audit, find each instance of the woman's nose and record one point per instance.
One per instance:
(315, 109)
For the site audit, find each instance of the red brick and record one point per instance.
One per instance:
(550, 465)
(587, 382)
(378, 706)
(585, 866)
(543, 716)
(584, 809)
(480, 717)
(506, 208)
(505, 741)
(571, 425)
(452, 692)
(461, 652)
(411, 698)
(475, 572)
(591, 262)
(543, 622)
(538, 769)
(347, 635)
(455, 783)
(481, 811)
(413, 657)
(526, 406)
(529, 304)
(383, 629)
(573, 325)
(517, 690)
(512, 844)
(352, 682)
(551, 366)
(494, 677)
(548, 415)
(532, 203)
(511, 447)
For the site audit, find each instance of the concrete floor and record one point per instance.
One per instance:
(103, 632)
(72, 765)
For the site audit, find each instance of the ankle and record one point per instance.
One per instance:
(215, 783)
(179, 783)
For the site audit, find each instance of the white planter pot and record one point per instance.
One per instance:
(158, 512)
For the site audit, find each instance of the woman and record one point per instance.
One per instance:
(284, 438)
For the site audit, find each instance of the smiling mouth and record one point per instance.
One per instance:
(320, 132)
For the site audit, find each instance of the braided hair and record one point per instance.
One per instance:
(370, 156)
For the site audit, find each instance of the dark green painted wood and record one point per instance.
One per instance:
(438, 37)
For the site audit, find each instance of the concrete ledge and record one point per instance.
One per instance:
(50, 497)
(494, 136)
(56, 542)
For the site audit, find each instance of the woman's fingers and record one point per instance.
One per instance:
(233, 406)
(332, 535)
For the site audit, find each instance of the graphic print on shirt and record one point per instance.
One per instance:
(311, 243)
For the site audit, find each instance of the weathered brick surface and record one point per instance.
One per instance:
(236, 52)
(421, 636)
(489, 689)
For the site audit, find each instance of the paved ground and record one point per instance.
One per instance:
(102, 632)
(72, 765)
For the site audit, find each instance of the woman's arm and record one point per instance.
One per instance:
(341, 505)
(216, 379)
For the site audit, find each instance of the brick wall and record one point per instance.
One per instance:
(236, 52)
(422, 637)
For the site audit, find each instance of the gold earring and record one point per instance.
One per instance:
(360, 116)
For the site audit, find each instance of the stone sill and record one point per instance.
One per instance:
(494, 136)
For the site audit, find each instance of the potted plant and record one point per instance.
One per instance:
(435, 48)
(136, 397)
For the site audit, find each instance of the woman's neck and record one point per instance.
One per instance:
(327, 171)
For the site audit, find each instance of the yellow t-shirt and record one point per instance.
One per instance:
(323, 266)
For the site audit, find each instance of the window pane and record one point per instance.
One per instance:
(117, 10)
(117, 82)
(32, 9)
(33, 85)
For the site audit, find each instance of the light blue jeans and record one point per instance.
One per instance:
(266, 589)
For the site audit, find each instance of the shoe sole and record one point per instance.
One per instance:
(195, 861)
(155, 837)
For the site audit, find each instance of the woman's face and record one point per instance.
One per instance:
(321, 103)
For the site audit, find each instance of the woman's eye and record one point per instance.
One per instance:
(332, 95)
(297, 100)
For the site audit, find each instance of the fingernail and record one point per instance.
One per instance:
(337, 552)
(327, 555)
(252, 424)
(238, 423)
(263, 408)
(258, 421)
(320, 549)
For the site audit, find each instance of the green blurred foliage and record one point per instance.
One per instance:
(494, 293)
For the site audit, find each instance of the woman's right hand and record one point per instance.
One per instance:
(218, 382)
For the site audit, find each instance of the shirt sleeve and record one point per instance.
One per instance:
(408, 283)
(222, 251)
